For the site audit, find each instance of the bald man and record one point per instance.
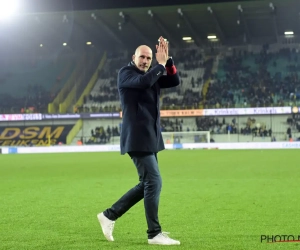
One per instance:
(139, 89)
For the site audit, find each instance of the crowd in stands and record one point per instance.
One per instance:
(256, 129)
(294, 122)
(256, 80)
(217, 126)
(35, 100)
(252, 127)
(171, 125)
(109, 91)
(243, 79)
(210, 124)
(102, 136)
(30, 83)
(18, 94)
(188, 60)
(221, 126)
(191, 59)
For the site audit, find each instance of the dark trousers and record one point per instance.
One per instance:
(149, 189)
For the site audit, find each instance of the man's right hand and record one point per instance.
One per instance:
(161, 55)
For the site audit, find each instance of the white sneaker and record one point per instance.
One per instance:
(163, 239)
(107, 226)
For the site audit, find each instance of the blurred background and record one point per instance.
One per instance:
(59, 62)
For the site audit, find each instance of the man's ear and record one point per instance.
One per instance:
(133, 57)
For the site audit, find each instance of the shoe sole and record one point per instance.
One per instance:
(177, 244)
(166, 244)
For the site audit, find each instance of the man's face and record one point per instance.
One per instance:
(143, 58)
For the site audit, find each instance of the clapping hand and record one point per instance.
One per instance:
(164, 44)
(162, 54)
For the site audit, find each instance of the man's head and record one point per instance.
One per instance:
(142, 58)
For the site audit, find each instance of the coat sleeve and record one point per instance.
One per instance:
(169, 81)
(172, 78)
(129, 78)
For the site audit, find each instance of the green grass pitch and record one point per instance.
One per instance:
(210, 200)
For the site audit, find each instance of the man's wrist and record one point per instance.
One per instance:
(162, 65)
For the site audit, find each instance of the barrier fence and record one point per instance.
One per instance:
(116, 148)
(164, 113)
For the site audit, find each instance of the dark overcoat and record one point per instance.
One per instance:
(139, 94)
